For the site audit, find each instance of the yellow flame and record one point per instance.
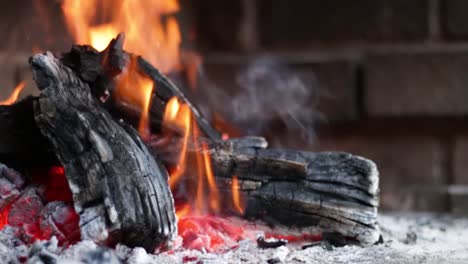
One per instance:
(150, 26)
(100, 36)
(183, 121)
(143, 127)
(236, 200)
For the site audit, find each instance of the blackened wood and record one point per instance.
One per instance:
(165, 89)
(119, 191)
(331, 191)
(336, 192)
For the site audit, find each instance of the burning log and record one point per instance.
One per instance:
(119, 191)
(332, 191)
(335, 191)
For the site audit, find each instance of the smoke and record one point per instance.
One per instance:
(269, 100)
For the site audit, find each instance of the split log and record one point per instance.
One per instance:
(331, 191)
(119, 191)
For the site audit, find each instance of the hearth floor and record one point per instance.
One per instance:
(408, 238)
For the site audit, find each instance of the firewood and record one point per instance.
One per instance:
(332, 191)
(329, 191)
(119, 191)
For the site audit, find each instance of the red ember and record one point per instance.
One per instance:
(211, 233)
(37, 219)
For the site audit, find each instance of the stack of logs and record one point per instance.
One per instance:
(120, 185)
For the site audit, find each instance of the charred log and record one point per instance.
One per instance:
(119, 191)
(332, 191)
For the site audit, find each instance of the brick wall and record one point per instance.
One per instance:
(390, 77)
(395, 73)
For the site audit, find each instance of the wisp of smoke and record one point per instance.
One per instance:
(268, 92)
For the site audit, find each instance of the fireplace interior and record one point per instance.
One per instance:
(173, 131)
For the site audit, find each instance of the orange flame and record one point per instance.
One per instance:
(150, 26)
(136, 89)
(236, 200)
(151, 30)
(143, 126)
(14, 95)
(178, 115)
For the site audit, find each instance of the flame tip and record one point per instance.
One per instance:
(14, 94)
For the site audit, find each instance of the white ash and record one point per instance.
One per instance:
(408, 238)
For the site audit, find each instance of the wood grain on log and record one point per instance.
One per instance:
(117, 186)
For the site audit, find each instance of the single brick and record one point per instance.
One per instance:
(454, 19)
(416, 84)
(217, 23)
(460, 160)
(412, 170)
(336, 22)
(458, 198)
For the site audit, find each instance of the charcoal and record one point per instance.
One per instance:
(270, 243)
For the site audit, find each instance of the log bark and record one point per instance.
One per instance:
(119, 191)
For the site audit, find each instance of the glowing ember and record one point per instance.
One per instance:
(40, 219)
(14, 95)
(211, 233)
(4, 217)
(57, 185)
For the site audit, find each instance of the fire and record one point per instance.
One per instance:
(101, 35)
(14, 95)
(151, 30)
(150, 26)
(179, 115)
(136, 89)
(236, 199)
(143, 127)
